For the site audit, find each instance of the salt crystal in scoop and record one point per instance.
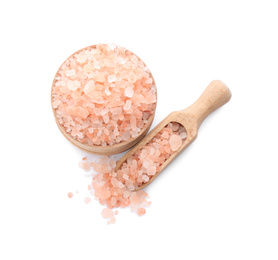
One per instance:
(175, 142)
(166, 142)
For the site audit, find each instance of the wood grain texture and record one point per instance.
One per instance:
(97, 149)
(215, 95)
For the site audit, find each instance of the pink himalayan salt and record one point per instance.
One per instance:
(146, 162)
(116, 188)
(175, 142)
(108, 214)
(183, 135)
(127, 105)
(85, 166)
(110, 191)
(111, 221)
(100, 88)
(141, 211)
(87, 200)
(129, 92)
(73, 85)
(70, 195)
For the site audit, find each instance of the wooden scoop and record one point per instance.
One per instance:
(215, 95)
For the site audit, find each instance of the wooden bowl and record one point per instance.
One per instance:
(109, 149)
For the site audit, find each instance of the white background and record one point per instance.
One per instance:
(217, 200)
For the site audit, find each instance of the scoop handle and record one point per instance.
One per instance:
(215, 95)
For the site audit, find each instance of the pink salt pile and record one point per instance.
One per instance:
(103, 95)
(115, 189)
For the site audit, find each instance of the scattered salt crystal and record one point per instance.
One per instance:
(85, 166)
(87, 200)
(107, 213)
(141, 211)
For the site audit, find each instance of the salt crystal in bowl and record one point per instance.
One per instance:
(104, 99)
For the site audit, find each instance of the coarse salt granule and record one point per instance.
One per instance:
(84, 165)
(175, 142)
(103, 95)
(141, 211)
(87, 200)
(109, 214)
(70, 195)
